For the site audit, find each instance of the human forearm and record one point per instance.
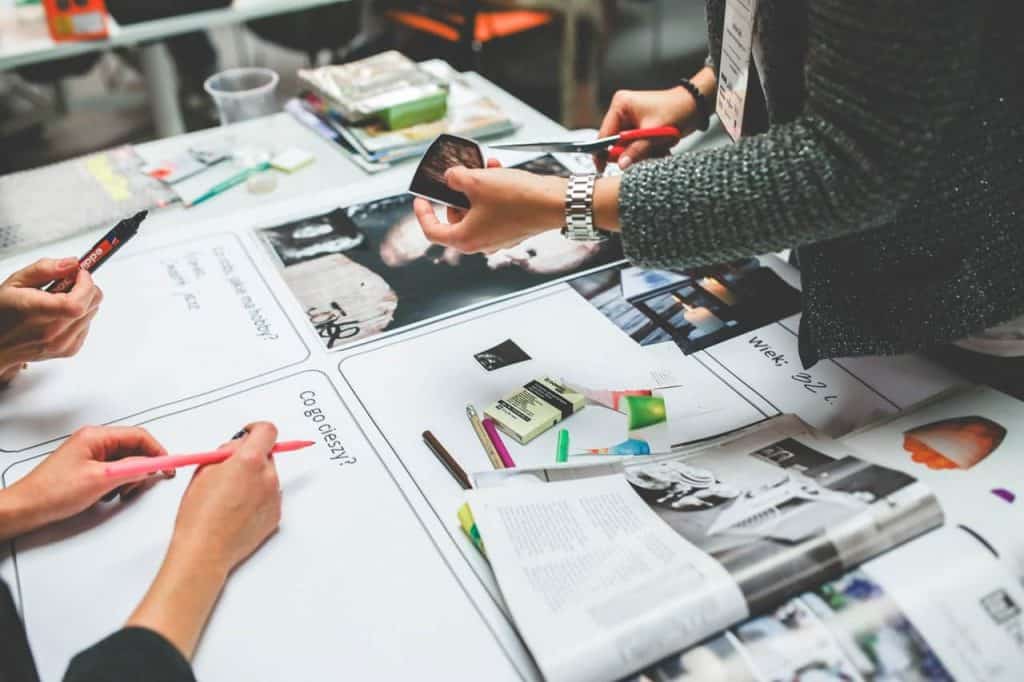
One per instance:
(853, 159)
(19, 514)
(181, 597)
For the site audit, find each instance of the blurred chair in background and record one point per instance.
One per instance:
(464, 27)
(331, 28)
(543, 51)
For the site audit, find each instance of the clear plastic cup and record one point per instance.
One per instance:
(243, 94)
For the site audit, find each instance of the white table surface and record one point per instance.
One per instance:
(27, 41)
(332, 177)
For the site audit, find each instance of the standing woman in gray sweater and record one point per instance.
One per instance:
(883, 140)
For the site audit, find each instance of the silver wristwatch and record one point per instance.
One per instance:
(579, 210)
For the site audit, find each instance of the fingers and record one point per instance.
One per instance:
(106, 443)
(82, 299)
(43, 271)
(616, 117)
(493, 163)
(433, 229)
(455, 215)
(84, 296)
(133, 490)
(635, 151)
(459, 178)
(258, 443)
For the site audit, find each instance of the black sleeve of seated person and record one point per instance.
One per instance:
(130, 655)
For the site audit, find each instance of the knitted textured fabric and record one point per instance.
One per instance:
(894, 163)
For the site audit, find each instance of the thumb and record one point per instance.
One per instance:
(458, 178)
(42, 272)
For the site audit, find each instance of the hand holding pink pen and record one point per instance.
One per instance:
(166, 462)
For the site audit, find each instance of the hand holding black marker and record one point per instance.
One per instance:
(101, 251)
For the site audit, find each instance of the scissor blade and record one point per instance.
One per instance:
(544, 146)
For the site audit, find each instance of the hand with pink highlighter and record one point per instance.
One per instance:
(227, 511)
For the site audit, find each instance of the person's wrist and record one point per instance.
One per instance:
(683, 108)
(190, 557)
(22, 511)
(552, 206)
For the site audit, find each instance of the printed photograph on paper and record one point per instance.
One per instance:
(365, 269)
(695, 309)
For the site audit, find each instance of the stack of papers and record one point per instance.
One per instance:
(469, 114)
(368, 88)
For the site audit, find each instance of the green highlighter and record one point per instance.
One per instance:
(235, 179)
(562, 453)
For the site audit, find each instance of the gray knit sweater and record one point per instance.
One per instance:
(893, 161)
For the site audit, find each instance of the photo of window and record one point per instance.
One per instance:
(695, 309)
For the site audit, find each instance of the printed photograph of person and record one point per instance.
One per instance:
(695, 309)
(764, 514)
(365, 269)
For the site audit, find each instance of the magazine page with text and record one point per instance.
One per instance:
(604, 574)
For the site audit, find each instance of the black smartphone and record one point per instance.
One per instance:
(444, 153)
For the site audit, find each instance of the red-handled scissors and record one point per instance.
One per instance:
(613, 145)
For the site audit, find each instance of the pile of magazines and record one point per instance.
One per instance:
(388, 108)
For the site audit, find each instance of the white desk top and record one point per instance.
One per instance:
(332, 177)
(27, 40)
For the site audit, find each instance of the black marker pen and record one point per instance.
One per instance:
(101, 251)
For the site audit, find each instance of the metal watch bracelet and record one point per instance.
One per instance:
(579, 210)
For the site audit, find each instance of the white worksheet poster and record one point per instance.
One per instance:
(425, 379)
(176, 322)
(350, 587)
(836, 396)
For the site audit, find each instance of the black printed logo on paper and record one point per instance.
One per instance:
(1000, 606)
(504, 354)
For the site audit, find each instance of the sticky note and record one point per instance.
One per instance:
(292, 159)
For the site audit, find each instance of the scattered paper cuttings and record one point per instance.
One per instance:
(504, 354)
(956, 443)
(1004, 494)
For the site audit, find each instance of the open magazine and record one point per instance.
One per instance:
(609, 568)
(946, 606)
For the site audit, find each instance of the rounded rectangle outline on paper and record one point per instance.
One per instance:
(401, 491)
(273, 296)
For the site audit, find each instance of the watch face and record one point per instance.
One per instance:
(447, 151)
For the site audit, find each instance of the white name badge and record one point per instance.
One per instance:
(734, 64)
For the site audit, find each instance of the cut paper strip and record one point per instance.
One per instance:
(504, 354)
(609, 397)
(644, 411)
(626, 447)
(1004, 494)
(468, 524)
(957, 443)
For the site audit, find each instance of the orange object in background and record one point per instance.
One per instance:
(489, 25)
(76, 19)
